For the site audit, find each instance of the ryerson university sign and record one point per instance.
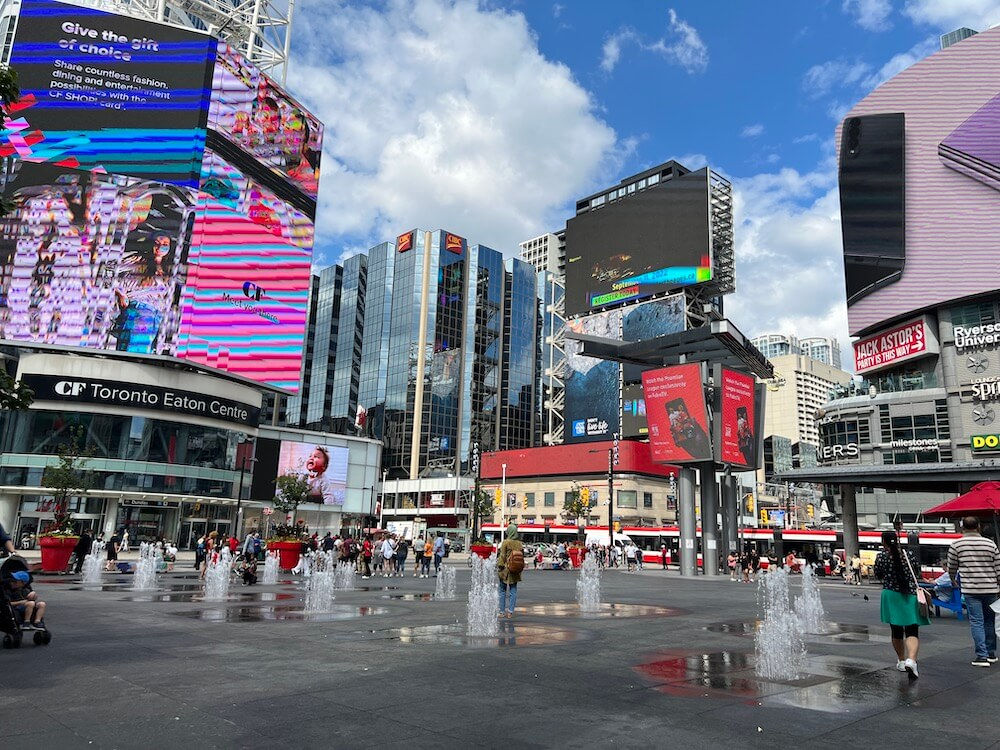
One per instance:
(116, 393)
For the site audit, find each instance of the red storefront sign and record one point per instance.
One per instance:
(891, 347)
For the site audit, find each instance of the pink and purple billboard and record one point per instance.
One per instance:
(128, 233)
(919, 171)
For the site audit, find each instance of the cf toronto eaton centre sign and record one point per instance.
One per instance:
(155, 398)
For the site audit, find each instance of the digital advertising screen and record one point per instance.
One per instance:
(257, 115)
(245, 305)
(677, 414)
(591, 385)
(650, 242)
(109, 92)
(634, 423)
(89, 260)
(737, 424)
(919, 174)
(323, 466)
(112, 263)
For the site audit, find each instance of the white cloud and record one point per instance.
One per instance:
(821, 79)
(681, 46)
(789, 262)
(808, 138)
(442, 114)
(557, 10)
(872, 15)
(947, 15)
(899, 63)
(752, 131)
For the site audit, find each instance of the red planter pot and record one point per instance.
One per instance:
(56, 551)
(288, 553)
(483, 550)
(576, 555)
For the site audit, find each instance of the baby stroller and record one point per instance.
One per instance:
(10, 620)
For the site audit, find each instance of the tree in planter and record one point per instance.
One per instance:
(292, 491)
(576, 506)
(66, 480)
(482, 508)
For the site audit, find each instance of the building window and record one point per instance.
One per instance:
(626, 499)
(647, 499)
(529, 499)
(550, 500)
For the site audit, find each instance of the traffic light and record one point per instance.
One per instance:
(617, 527)
(585, 495)
(763, 517)
(749, 502)
(811, 510)
(498, 497)
(524, 502)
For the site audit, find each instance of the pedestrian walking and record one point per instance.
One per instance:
(418, 556)
(856, 569)
(510, 564)
(439, 550)
(974, 562)
(199, 552)
(123, 541)
(732, 562)
(402, 550)
(113, 547)
(663, 556)
(82, 549)
(425, 562)
(388, 557)
(366, 556)
(898, 570)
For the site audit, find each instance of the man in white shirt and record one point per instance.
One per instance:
(388, 553)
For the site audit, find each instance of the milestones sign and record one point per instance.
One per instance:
(117, 393)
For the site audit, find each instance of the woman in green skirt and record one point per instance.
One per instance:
(899, 601)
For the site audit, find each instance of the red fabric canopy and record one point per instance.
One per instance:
(983, 499)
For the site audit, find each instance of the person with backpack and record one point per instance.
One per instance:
(510, 564)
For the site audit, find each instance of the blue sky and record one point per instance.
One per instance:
(489, 119)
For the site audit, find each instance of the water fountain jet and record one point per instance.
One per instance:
(588, 585)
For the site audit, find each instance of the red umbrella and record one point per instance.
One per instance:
(981, 500)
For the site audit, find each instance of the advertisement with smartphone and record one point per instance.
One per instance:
(677, 414)
(738, 418)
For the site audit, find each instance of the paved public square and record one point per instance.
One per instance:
(390, 667)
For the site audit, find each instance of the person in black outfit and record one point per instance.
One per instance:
(82, 549)
(6, 543)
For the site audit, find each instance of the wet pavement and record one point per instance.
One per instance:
(665, 661)
(510, 633)
(282, 613)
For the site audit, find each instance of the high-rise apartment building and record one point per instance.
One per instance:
(802, 387)
(956, 36)
(822, 348)
(547, 253)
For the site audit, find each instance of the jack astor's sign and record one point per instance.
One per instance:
(116, 393)
(904, 342)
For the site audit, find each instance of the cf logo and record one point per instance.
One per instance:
(70, 387)
(252, 291)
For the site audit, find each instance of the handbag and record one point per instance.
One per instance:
(923, 598)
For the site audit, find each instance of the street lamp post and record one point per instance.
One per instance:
(503, 499)
(612, 460)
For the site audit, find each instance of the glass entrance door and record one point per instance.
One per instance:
(191, 530)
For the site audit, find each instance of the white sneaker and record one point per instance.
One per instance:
(900, 666)
(911, 667)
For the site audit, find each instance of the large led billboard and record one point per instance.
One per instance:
(647, 243)
(115, 263)
(738, 433)
(129, 233)
(919, 161)
(677, 414)
(109, 92)
(255, 114)
(324, 467)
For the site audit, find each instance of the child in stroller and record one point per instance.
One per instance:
(20, 608)
(247, 568)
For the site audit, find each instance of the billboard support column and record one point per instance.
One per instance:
(709, 521)
(730, 514)
(849, 516)
(688, 544)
